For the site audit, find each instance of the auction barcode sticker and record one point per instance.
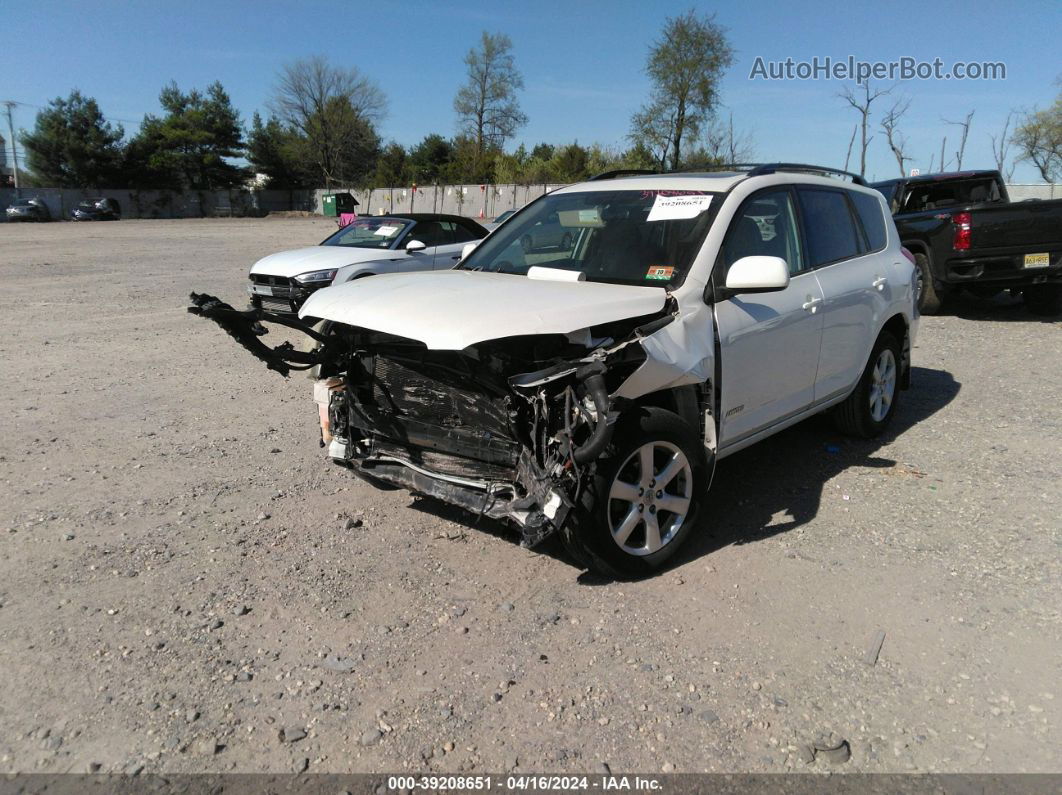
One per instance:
(668, 208)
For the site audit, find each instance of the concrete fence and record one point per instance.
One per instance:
(171, 204)
(473, 201)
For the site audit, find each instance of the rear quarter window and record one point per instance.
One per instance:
(829, 228)
(869, 209)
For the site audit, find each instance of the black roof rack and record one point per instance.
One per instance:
(751, 169)
(624, 172)
(804, 168)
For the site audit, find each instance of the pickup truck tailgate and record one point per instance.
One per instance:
(1031, 226)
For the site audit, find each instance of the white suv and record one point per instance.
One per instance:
(589, 390)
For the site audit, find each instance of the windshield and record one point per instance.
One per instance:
(643, 237)
(87, 205)
(370, 232)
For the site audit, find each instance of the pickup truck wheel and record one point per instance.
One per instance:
(1044, 299)
(929, 300)
(872, 404)
(643, 499)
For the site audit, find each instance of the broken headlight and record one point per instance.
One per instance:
(316, 277)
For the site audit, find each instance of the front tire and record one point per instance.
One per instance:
(643, 499)
(1044, 299)
(872, 405)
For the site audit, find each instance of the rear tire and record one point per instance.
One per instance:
(929, 300)
(1044, 299)
(872, 405)
(632, 517)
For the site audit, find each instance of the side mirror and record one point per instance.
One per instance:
(757, 275)
(414, 246)
(468, 249)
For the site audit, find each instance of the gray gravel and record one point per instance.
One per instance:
(136, 468)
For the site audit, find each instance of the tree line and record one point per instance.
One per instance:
(321, 128)
(1034, 136)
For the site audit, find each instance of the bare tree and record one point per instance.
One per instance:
(486, 105)
(965, 125)
(897, 141)
(943, 145)
(335, 110)
(861, 102)
(723, 144)
(851, 142)
(1001, 150)
(685, 66)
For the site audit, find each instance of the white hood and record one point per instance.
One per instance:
(450, 310)
(318, 258)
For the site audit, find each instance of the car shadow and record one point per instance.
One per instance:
(1001, 307)
(777, 485)
(773, 487)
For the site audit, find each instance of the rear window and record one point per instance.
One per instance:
(828, 226)
(925, 196)
(869, 209)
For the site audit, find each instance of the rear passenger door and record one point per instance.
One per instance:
(769, 342)
(849, 258)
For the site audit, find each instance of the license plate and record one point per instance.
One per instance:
(263, 289)
(1037, 260)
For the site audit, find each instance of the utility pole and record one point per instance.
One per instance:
(14, 152)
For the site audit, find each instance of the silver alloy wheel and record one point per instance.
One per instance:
(882, 385)
(650, 498)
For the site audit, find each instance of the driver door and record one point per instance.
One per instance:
(769, 342)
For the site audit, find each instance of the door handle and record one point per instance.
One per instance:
(812, 304)
(456, 256)
(879, 282)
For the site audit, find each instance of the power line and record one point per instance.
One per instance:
(43, 107)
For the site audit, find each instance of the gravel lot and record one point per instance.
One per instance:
(187, 585)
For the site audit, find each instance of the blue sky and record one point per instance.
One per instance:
(582, 62)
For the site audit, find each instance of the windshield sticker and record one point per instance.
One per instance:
(649, 194)
(669, 208)
(660, 272)
(386, 231)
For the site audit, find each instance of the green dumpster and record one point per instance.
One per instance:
(333, 204)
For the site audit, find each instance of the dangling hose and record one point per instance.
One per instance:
(592, 376)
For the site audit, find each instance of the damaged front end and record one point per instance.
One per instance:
(509, 428)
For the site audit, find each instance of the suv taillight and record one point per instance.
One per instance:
(960, 224)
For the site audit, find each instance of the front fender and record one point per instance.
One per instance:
(355, 271)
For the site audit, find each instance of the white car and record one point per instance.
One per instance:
(589, 392)
(399, 242)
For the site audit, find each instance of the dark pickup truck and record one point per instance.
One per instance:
(965, 233)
